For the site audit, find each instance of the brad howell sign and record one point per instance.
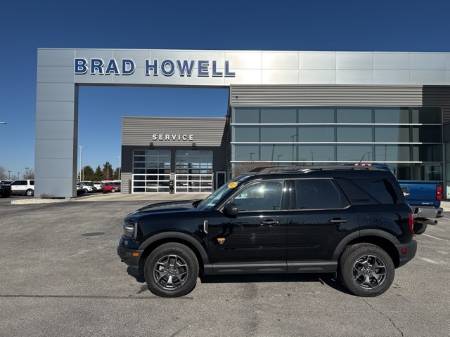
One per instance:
(172, 137)
(168, 68)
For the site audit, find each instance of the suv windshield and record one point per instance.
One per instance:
(213, 199)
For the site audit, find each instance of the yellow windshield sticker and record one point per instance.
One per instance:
(232, 184)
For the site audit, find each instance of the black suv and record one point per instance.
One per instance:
(352, 221)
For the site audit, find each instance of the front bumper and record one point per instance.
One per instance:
(406, 252)
(129, 252)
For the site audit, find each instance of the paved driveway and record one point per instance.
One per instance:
(60, 276)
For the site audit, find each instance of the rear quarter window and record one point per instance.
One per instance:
(369, 191)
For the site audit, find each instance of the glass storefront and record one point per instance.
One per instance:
(409, 140)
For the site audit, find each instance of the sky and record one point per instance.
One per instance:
(249, 25)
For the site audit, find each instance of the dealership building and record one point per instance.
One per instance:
(285, 108)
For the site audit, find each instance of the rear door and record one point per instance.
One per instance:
(320, 217)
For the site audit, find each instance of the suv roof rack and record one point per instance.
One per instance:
(309, 168)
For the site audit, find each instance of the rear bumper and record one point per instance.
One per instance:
(406, 252)
(427, 212)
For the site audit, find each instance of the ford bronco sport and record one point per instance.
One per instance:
(352, 221)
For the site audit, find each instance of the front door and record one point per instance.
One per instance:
(258, 232)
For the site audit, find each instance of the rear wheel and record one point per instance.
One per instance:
(366, 270)
(171, 270)
(29, 193)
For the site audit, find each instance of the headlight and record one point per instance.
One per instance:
(130, 229)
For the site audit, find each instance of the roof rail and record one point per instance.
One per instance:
(309, 168)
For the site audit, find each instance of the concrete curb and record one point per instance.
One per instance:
(446, 206)
(37, 201)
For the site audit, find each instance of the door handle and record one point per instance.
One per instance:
(338, 220)
(269, 222)
(205, 226)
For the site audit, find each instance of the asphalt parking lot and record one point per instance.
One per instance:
(60, 276)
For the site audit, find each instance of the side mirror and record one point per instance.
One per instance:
(230, 210)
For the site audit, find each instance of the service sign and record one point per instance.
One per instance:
(167, 67)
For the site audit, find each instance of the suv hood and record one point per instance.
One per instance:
(167, 207)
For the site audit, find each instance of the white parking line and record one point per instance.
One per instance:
(434, 237)
(428, 260)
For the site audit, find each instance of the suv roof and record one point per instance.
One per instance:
(327, 170)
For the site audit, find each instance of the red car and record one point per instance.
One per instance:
(111, 187)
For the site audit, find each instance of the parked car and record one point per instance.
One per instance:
(111, 187)
(80, 190)
(88, 186)
(98, 186)
(351, 220)
(22, 187)
(5, 189)
(425, 198)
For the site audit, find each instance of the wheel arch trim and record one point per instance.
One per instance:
(360, 234)
(176, 236)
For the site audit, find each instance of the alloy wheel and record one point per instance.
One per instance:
(170, 272)
(369, 271)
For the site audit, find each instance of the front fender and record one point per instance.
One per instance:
(176, 236)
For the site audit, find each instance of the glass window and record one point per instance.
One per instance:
(263, 196)
(279, 115)
(355, 193)
(318, 194)
(392, 153)
(193, 161)
(379, 189)
(427, 152)
(354, 134)
(316, 153)
(392, 134)
(354, 153)
(246, 152)
(354, 115)
(246, 134)
(278, 134)
(432, 172)
(316, 134)
(19, 182)
(427, 115)
(316, 115)
(427, 134)
(401, 171)
(392, 115)
(151, 161)
(277, 152)
(246, 115)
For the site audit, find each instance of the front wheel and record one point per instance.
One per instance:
(366, 270)
(171, 270)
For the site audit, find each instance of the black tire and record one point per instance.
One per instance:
(160, 253)
(350, 264)
(29, 193)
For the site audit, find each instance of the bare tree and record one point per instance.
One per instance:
(3, 175)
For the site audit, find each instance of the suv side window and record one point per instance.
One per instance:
(261, 196)
(318, 194)
(369, 191)
(19, 182)
(32, 182)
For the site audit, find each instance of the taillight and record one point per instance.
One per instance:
(411, 223)
(439, 192)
